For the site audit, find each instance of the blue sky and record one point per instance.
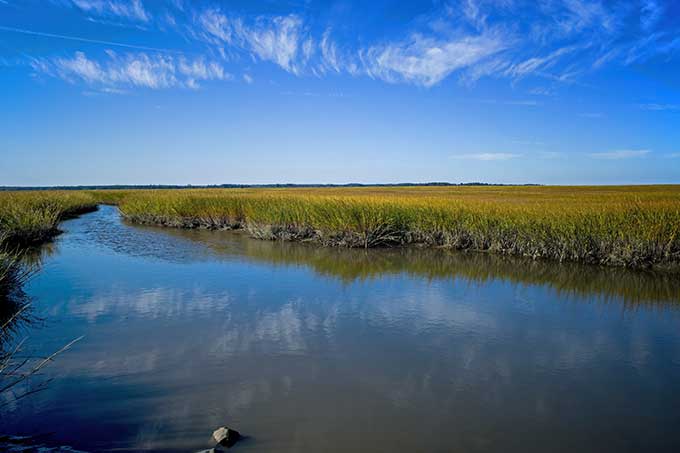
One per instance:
(209, 92)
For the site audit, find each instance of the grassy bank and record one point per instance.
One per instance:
(622, 226)
(632, 226)
(31, 218)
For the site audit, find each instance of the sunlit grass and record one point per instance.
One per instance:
(33, 217)
(630, 226)
(29, 218)
(634, 226)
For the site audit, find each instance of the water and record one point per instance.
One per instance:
(307, 349)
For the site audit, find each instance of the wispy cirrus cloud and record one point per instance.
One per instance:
(536, 65)
(621, 154)
(288, 42)
(556, 40)
(282, 40)
(129, 9)
(154, 71)
(279, 40)
(486, 156)
(427, 61)
(471, 38)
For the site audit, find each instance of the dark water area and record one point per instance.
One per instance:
(309, 349)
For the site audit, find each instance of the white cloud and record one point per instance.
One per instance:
(581, 14)
(200, 69)
(607, 57)
(215, 25)
(469, 38)
(487, 156)
(277, 40)
(154, 71)
(621, 154)
(564, 39)
(473, 13)
(427, 61)
(130, 9)
(652, 45)
(537, 64)
(329, 53)
(248, 79)
(421, 59)
(282, 40)
(80, 66)
(490, 67)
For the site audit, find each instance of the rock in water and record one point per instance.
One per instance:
(226, 436)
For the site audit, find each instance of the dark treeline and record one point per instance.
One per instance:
(252, 186)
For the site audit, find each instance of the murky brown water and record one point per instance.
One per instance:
(306, 349)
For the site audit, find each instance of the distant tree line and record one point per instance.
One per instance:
(252, 186)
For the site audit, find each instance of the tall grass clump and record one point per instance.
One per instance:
(620, 226)
(28, 218)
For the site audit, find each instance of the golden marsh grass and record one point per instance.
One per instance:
(633, 226)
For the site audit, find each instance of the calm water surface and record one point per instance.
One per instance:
(306, 349)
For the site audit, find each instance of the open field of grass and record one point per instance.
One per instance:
(625, 226)
(632, 226)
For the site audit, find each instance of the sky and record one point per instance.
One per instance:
(245, 91)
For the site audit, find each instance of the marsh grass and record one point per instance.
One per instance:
(631, 226)
(620, 226)
(29, 218)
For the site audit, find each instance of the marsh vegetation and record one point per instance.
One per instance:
(631, 226)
